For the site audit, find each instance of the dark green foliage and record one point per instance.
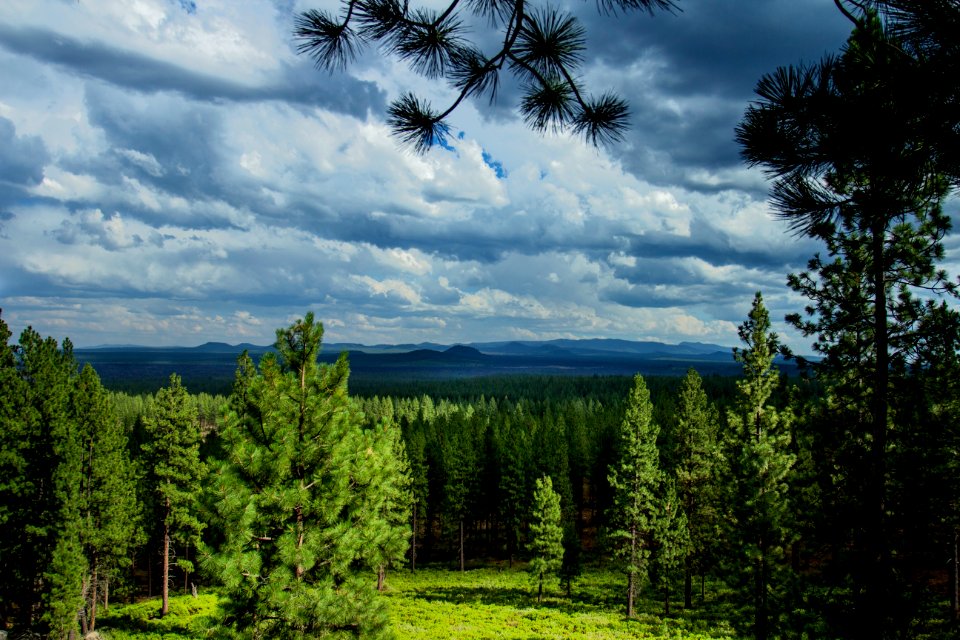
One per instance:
(635, 478)
(760, 461)
(546, 534)
(66, 488)
(698, 462)
(309, 500)
(670, 541)
(861, 150)
(541, 47)
(43, 455)
(174, 471)
(112, 515)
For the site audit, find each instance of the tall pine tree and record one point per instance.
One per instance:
(546, 534)
(698, 461)
(302, 544)
(111, 514)
(635, 478)
(175, 472)
(760, 459)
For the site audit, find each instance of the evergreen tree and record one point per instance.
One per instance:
(19, 492)
(111, 513)
(761, 459)
(670, 541)
(415, 441)
(387, 505)
(460, 475)
(546, 534)
(514, 461)
(697, 460)
(635, 478)
(861, 160)
(175, 472)
(572, 566)
(41, 458)
(307, 522)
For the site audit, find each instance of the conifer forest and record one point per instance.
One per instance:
(817, 502)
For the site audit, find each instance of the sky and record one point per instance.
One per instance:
(172, 172)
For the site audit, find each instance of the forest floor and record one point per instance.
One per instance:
(473, 605)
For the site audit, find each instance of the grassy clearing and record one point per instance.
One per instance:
(488, 603)
(474, 605)
(188, 617)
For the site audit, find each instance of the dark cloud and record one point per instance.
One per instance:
(22, 158)
(298, 85)
(700, 68)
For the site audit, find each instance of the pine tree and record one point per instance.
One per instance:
(110, 510)
(546, 534)
(635, 478)
(761, 459)
(307, 525)
(18, 490)
(697, 459)
(175, 472)
(387, 507)
(512, 486)
(415, 442)
(861, 150)
(41, 461)
(460, 476)
(670, 540)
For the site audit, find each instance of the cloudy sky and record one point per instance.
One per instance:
(172, 172)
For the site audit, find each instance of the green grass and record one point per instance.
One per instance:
(488, 603)
(188, 617)
(477, 604)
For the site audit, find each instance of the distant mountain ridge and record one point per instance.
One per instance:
(212, 365)
(562, 346)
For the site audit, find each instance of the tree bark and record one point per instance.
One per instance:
(166, 570)
(633, 563)
(93, 595)
(877, 576)
(462, 563)
(688, 587)
(955, 576)
(413, 546)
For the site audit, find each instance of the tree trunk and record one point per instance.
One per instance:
(540, 590)
(106, 594)
(166, 571)
(462, 563)
(955, 577)
(300, 534)
(688, 587)
(630, 594)
(760, 602)
(381, 577)
(93, 595)
(413, 546)
(633, 563)
(82, 613)
(666, 602)
(186, 574)
(877, 576)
